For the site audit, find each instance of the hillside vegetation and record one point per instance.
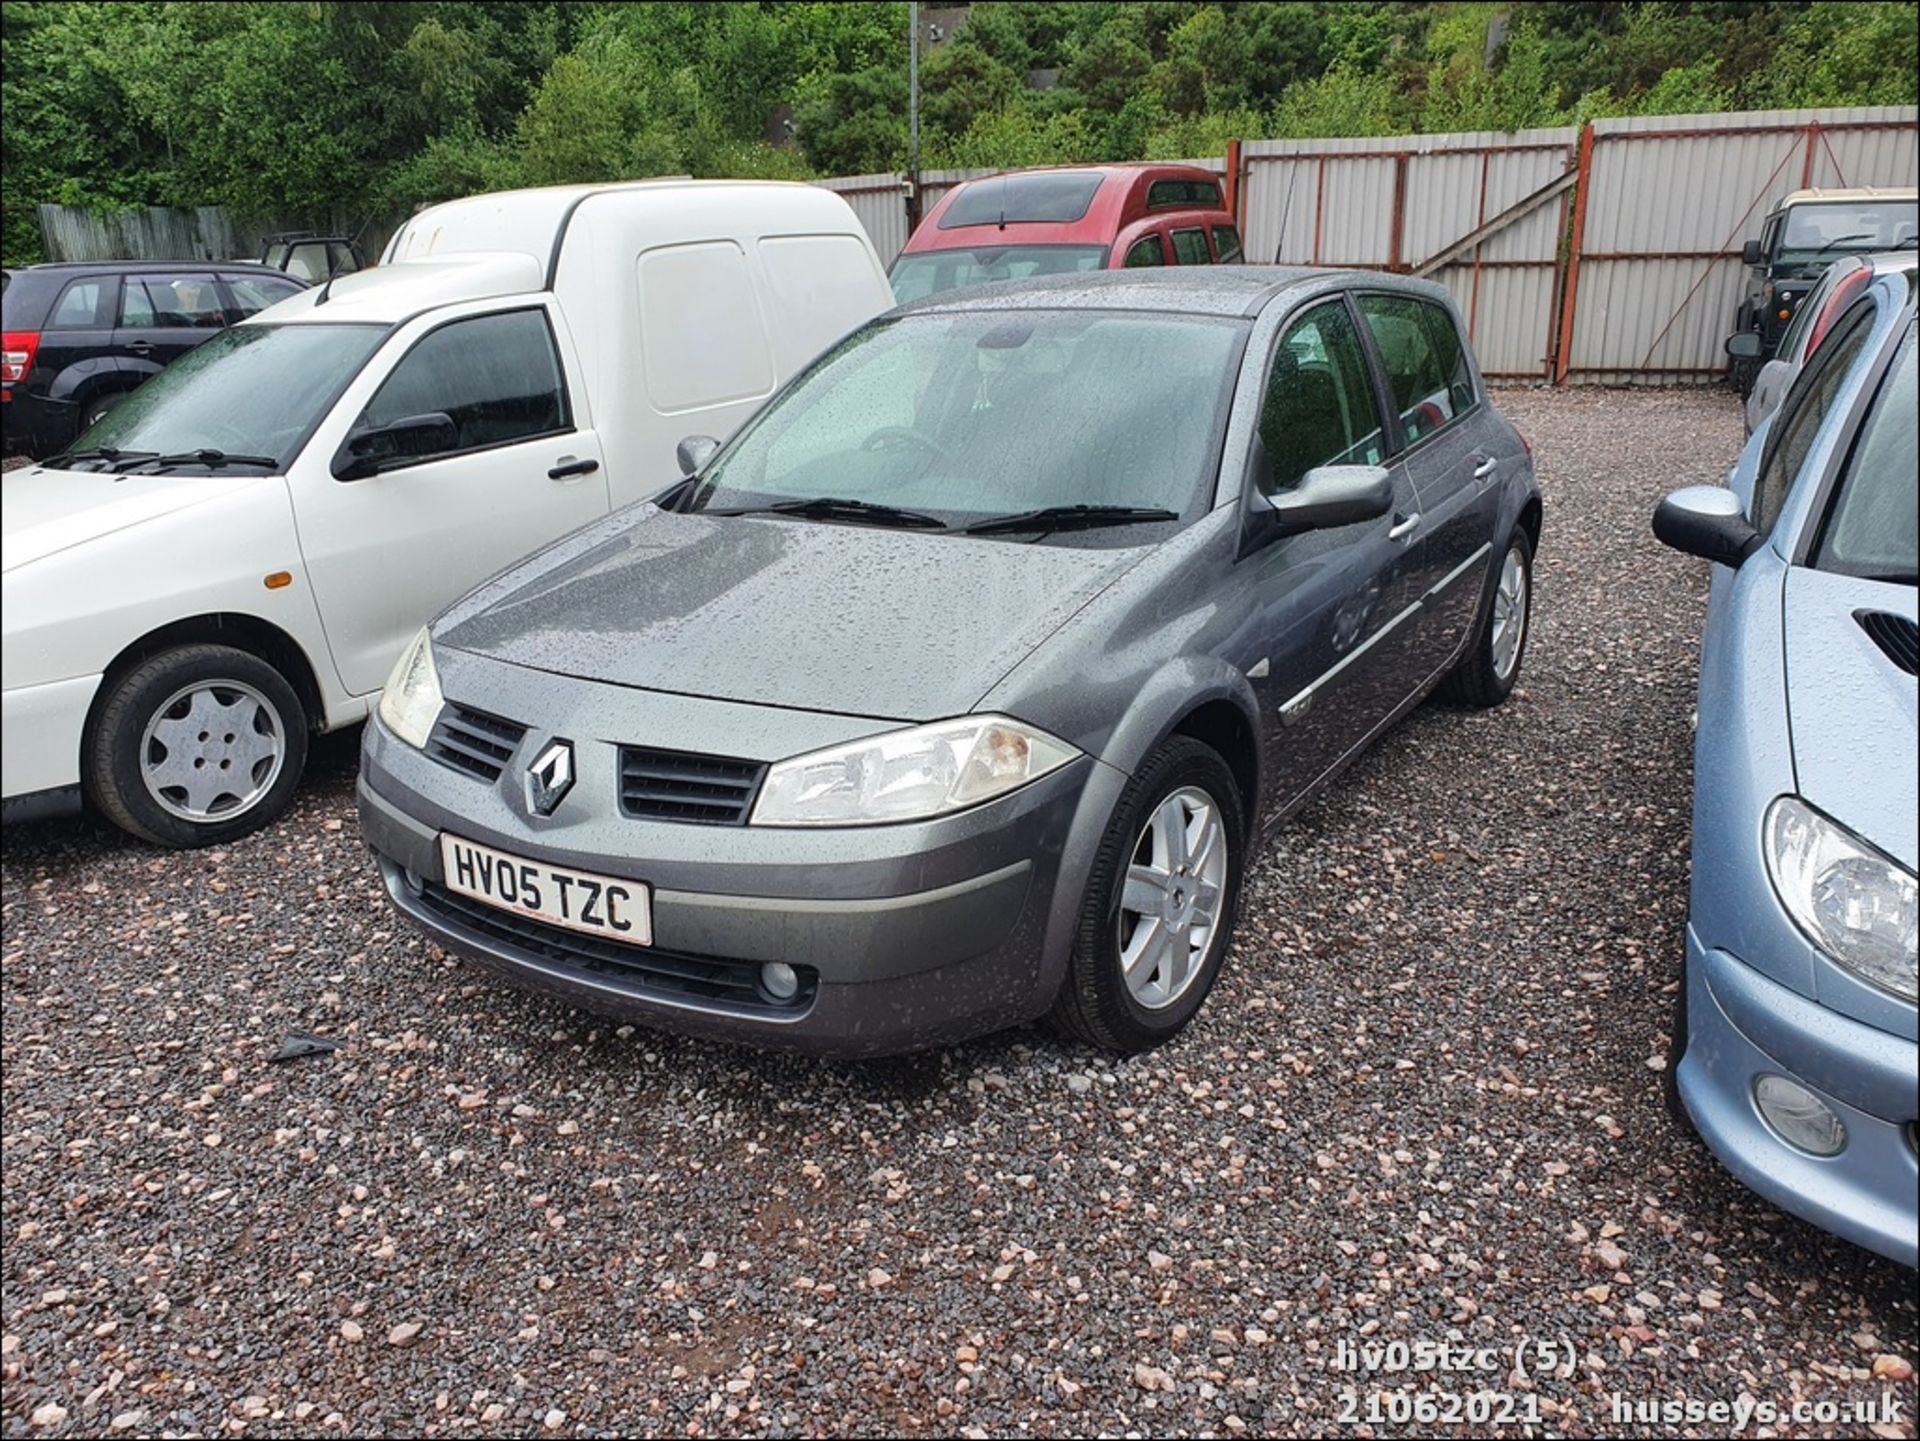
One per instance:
(316, 111)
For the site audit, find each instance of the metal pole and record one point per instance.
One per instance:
(913, 111)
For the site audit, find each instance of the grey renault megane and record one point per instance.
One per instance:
(954, 690)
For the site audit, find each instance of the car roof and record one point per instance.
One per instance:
(68, 267)
(1857, 192)
(1192, 290)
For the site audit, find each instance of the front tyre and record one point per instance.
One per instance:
(1159, 908)
(196, 746)
(1486, 674)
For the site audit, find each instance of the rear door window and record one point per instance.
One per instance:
(1320, 407)
(498, 378)
(1226, 244)
(80, 306)
(1426, 363)
(171, 302)
(1147, 250)
(1190, 247)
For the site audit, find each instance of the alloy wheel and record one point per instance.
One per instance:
(1170, 902)
(1509, 614)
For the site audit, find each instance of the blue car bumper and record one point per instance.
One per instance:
(1740, 1026)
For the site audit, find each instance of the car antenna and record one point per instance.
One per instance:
(1003, 202)
(327, 289)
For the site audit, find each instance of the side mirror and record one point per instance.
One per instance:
(1744, 345)
(1707, 521)
(371, 451)
(1751, 253)
(1329, 496)
(694, 452)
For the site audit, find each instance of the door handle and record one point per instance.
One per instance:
(139, 347)
(568, 468)
(1404, 527)
(1487, 466)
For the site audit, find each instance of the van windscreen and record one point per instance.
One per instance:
(1056, 197)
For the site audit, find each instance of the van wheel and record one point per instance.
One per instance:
(98, 407)
(1486, 674)
(197, 746)
(1159, 908)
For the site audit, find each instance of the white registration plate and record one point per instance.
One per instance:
(606, 906)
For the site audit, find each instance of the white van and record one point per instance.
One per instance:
(235, 556)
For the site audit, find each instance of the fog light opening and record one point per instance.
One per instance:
(779, 980)
(415, 881)
(1799, 1117)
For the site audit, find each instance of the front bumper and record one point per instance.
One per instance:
(908, 935)
(1741, 1025)
(40, 727)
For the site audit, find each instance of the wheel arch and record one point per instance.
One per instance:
(249, 633)
(1214, 705)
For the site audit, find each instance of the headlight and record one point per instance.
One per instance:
(908, 775)
(1858, 906)
(411, 702)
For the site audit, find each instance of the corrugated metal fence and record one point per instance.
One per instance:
(1605, 254)
(1397, 204)
(1653, 273)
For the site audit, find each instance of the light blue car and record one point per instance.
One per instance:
(1796, 1033)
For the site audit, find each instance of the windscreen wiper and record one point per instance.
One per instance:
(1070, 517)
(1844, 240)
(98, 452)
(212, 459)
(827, 507)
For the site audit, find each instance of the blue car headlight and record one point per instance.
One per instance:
(1860, 907)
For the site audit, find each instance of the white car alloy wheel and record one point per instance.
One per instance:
(212, 750)
(1510, 599)
(1170, 901)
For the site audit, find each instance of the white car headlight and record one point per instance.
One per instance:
(1858, 906)
(411, 702)
(908, 775)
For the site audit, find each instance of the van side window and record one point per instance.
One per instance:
(1425, 362)
(702, 339)
(1203, 194)
(498, 377)
(1190, 247)
(1226, 243)
(1146, 251)
(1320, 407)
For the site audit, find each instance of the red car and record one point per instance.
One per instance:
(1051, 222)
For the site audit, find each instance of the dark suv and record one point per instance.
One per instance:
(1805, 233)
(80, 335)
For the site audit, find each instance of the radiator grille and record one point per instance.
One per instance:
(473, 741)
(678, 786)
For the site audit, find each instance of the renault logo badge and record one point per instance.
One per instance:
(550, 777)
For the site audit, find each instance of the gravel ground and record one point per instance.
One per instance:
(1423, 1104)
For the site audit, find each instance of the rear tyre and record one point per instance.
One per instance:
(1486, 674)
(1676, 1052)
(98, 407)
(1158, 913)
(196, 746)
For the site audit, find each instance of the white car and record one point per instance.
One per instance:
(235, 556)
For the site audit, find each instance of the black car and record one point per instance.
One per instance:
(81, 335)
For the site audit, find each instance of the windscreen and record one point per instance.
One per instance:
(1854, 225)
(933, 272)
(986, 413)
(251, 390)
